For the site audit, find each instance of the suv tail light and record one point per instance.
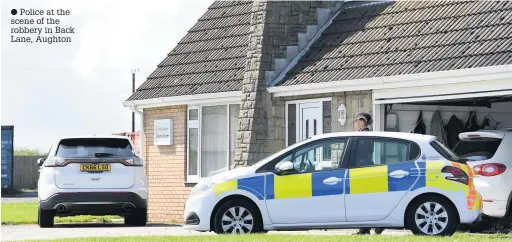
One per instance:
(54, 162)
(456, 174)
(491, 169)
(135, 161)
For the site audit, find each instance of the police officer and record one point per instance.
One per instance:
(363, 120)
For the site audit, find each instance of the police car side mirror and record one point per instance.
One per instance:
(284, 167)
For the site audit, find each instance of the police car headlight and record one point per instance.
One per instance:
(201, 187)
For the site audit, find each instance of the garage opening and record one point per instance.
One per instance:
(454, 115)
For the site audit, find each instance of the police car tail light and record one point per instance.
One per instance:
(455, 174)
(491, 169)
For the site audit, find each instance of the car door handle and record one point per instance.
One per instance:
(399, 174)
(332, 180)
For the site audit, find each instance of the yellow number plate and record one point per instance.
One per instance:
(95, 167)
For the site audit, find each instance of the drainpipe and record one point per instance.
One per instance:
(141, 134)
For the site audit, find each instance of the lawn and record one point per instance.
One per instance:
(296, 238)
(26, 213)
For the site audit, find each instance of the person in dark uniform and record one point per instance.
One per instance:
(363, 120)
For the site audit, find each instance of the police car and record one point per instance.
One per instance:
(341, 180)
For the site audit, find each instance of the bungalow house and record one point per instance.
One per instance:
(251, 78)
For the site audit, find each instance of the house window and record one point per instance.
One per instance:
(211, 139)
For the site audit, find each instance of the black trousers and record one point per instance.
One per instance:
(367, 230)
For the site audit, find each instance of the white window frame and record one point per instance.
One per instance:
(191, 124)
(297, 116)
(197, 124)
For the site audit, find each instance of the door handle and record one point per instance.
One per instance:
(332, 180)
(399, 174)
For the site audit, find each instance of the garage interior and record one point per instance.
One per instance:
(489, 113)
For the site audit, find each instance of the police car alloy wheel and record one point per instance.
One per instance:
(431, 218)
(432, 215)
(237, 217)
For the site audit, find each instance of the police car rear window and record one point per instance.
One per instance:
(443, 151)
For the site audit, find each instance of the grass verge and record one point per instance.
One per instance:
(26, 213)
(295, 238)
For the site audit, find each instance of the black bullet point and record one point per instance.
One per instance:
(14, 11)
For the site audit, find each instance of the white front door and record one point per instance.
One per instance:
(310, 115)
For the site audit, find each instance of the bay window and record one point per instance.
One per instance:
(211, 139)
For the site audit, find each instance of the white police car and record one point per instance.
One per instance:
(341, 180)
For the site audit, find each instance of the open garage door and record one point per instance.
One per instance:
(457, 107)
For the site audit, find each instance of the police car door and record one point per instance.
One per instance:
(381, 172)
(312, 191)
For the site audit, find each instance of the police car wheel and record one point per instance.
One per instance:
(237, 217)
(432, 216)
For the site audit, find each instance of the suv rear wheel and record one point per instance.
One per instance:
(45, 218)
(139, 217)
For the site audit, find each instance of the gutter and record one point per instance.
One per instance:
(206, 98)
(400, 81)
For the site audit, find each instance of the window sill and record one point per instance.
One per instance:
(191, 182)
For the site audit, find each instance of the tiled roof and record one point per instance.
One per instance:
(406, 37)
(210, 58)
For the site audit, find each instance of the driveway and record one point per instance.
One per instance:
(33, 232)
(23, 197)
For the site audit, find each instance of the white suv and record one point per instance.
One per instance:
(94, 175)
(489, 153)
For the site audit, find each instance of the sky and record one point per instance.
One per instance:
(55, 90)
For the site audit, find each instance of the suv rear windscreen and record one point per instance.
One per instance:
(94, 147)
(477, 149)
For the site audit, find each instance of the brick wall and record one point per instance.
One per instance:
(166, 166)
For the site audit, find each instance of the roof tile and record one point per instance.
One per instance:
(406, 37)
(210, 58)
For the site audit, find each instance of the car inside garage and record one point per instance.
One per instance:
(455, 115)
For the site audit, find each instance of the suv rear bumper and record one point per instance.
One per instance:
(94, 203)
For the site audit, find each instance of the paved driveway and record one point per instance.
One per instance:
(23, 197)
(33, 232)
